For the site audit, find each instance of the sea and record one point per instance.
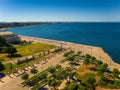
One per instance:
(101, 34)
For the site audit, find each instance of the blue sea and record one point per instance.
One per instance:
(105, 35)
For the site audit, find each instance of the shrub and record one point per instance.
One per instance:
(1, 66)
(25, 76)
(99, 62)
(52, 70)
(33, 71)
(68, 53)
(71, 86)
(115, 72)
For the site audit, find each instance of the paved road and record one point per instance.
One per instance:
(14, 83)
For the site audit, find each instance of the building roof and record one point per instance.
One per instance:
(5, 33)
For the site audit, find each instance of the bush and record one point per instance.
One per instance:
(71, 57)
(1, 66)
(42, 76)
(90, 81)
(10, 50)
(33, 71)
(115, 73)
(81, 87)
(52, 70)
(88, 56)
(71, 86)
(99, 62)
(25, 76)
(68, 53)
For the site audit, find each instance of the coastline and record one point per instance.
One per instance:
(98, 52)
(3, 29)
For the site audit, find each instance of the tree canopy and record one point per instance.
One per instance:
(1, 66)
(10, 50)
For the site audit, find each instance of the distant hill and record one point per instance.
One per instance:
(18, 24)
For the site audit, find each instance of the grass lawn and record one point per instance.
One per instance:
(83, 71)
(29, 49)
(16, 66)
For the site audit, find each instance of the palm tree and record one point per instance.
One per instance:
(102, 81)
(52, 70)
(115, 73)
(86, 61)
(52, 83)
(90, 82)
(68, 74)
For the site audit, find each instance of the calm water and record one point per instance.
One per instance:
(105, 35)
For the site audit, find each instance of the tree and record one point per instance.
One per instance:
(2, 41)
(92, 59)
(58, 66)
(53, 83)
(33, 71)
(117, 83)
(99, 62)
(10, 50)
(1, 66)
(71, 57)
(102, 81)
(68, 53)
(52, 70)
(68, 74)
(25, 76)
(90, 82)
(11, 67)
(86, 61)
(115, 72)
(81, 87)
(100, 70)
(105, 65)
(43, 76)
(87, 56)
(71, 86)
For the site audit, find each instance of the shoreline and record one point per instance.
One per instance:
(98, 52)
(3, 29)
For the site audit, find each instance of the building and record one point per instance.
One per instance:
(10, 37)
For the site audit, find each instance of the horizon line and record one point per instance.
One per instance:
(58, 21)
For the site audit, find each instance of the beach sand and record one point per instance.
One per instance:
(3, 29)
(98, 52)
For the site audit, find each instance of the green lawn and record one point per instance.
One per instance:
(16, 66)
(24, 50)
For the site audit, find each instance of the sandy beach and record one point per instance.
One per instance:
(98, 52)
(3, 29)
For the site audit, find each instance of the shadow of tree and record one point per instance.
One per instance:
(15, 56)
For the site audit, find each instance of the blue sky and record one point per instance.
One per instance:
(60, 10)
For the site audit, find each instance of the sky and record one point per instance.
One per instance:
(60, 10)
